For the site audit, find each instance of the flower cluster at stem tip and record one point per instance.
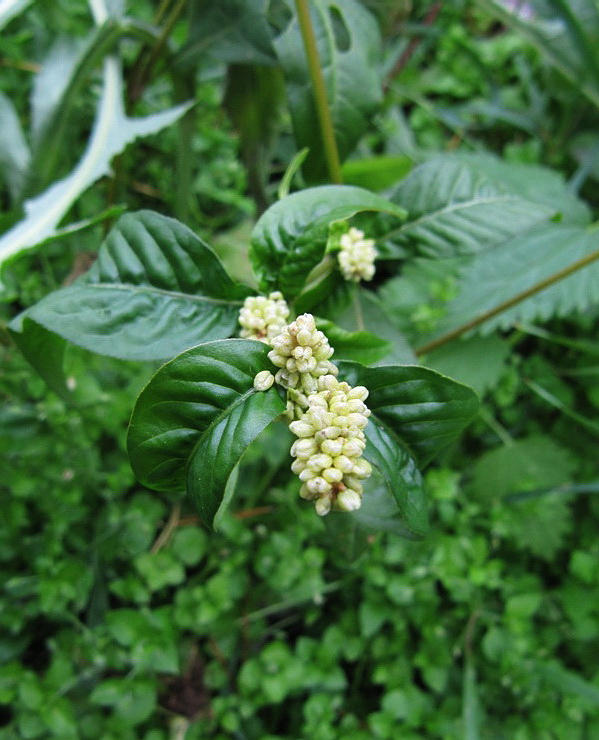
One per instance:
(356, 256)
(263, 318)
(327, 416)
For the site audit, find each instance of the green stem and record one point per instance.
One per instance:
(358, 309)
(320, 92)
(551, 280)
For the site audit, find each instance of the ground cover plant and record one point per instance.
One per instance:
(298, 429)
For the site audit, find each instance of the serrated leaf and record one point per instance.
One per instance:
(195, 417)
(424, 409)
(349, 48)
(478, 361)
(112, 132)
(454, 209)
(155, 290)
(290, 238)
(533, 182)
(398, 469)
(14, 151)
(360, 346)
(493, 277)
(530, 462)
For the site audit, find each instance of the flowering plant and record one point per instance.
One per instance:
(240, 364)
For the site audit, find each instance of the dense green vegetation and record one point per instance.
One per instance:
(469, 131)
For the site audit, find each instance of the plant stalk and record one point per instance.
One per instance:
(551, 280)
(320, 92)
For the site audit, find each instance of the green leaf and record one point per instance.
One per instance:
(349, 50)
(155, 290)
(14, 151)
(290, 238)
(112, 132)
(503, 273)
(532, 182)
(360, 346)
(527, 463)
(402, 477)
(44, 350)
(424, 409)
(232, 31)
(376, 173)
(200, 411)
(478, 361)
(455, 209)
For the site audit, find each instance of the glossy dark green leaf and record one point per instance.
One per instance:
(424, 409)
(196, 416)
(45, 351)
(406, 513)
(290, 238)
(155, 289)
(360, 346)
(348, 43)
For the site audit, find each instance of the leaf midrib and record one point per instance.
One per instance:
(161, 291)
(463, 206)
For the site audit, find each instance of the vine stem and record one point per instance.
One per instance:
(504, 305)
(320, 92)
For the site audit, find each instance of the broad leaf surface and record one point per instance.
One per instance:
(360, 346)
(232, 31)
(349, 49)
(408, 509)
(44, 350)
(501, 274)
(454, 209)
(290, 238)
(155, 290)
(424, 409)
(201, 410)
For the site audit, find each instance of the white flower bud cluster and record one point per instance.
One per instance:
(328, 451)
(357, 255)
(263, 318)
(301, 353)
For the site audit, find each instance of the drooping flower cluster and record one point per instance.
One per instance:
(357, 255)
(263, 318)
(301, 352)
(328, 451)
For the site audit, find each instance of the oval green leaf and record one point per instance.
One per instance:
(425, 409)
(290, 238)
(155, 290)
(200, 408)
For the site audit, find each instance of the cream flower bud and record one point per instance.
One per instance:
(323, 505)
(263, 318)
(301, 428)
(357, 255)
(348, 500)
(263, 380)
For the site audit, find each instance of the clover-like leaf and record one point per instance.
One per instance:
(194, 419)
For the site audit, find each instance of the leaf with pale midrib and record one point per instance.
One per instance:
(155, 290)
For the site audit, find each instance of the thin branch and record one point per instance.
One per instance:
(320, 92)
(548, 282)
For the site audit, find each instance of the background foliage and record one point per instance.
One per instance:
(121, 617)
